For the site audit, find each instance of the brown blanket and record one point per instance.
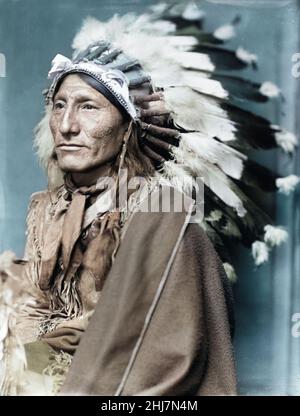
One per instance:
(161, 325)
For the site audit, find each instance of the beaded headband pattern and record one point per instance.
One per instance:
(112, 79)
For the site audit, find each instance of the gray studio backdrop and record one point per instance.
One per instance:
(33, 31)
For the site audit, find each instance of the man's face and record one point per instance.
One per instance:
(87, 129)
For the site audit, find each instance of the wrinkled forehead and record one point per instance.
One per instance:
(74, 84)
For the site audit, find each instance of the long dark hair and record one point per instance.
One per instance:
(135, 161)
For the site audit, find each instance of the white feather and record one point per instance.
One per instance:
(194, 60)
(274, 236)
(182, 43)
(230, 272)
(225, 32)
(158, 8)
(214, 216)
(157, 58)
(285, 139)
(260, 252)
(177, 176)
(287, 184)
(192, 12)
(269, 89)
(91, 31)
(113, 30)
(161, 26)
(213, 177)
(246, 56)
(203, 84)
(213, 121)
(227, 158)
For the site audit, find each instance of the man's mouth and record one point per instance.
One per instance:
(70, 147)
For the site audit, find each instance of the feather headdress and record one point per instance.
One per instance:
(166, 50)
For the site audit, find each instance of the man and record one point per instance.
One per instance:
(127, 302)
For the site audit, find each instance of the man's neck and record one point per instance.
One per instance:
(91, 177)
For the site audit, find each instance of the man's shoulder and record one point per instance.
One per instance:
(43, 198)
(39, 195)
(44, 194)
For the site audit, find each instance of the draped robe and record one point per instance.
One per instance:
(162, 323)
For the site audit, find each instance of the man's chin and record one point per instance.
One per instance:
(73, 161)
(72, 166)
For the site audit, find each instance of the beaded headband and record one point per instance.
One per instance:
(112, 79)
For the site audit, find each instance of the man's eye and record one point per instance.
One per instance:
(88, 107)
(58, 105)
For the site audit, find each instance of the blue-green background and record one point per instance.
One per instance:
(33, 31)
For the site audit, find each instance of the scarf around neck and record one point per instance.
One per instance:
(62, 240)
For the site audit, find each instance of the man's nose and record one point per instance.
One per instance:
(69, 123)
